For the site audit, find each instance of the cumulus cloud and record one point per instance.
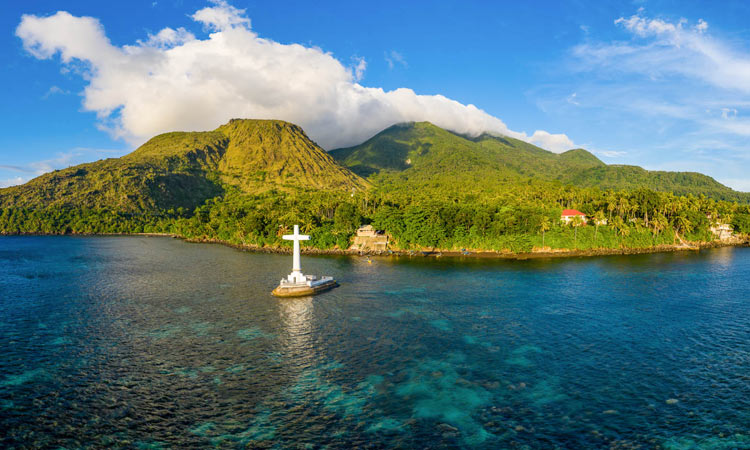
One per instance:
(223, 16)
(553, 142)
(359, 68)
(174, 80)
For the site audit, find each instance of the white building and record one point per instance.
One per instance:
(568, 214)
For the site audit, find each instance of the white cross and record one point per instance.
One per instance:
(296, 237)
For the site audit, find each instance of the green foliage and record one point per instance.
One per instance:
(741, 223)
(423, 156)
(249, 181)
(185, 170)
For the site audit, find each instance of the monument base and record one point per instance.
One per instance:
(311, 286)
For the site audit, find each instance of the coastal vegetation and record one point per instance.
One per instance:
(247, 182)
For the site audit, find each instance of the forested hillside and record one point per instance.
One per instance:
(184, 169)
(422, 154)
(248, 181)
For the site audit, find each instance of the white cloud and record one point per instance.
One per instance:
(393, 57)
(61, 161)
(702, 26)
(672, 49)
(611, 153)
(175, 81)
(738, 184)
(12, 182)
(222, 16)
(82, 38)
(168, 37)
(554, 142)
(359, 68)
(54, 90)
(727, 113)
(673, 89)
(645, 27)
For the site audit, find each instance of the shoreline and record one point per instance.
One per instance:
(557, 253)
(436, 253)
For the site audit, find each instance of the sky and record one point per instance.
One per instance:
(660, 84)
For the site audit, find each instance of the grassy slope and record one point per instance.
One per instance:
(183, 169)
(272, 152)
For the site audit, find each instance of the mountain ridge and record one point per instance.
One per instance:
(184, 169)
(404, 150)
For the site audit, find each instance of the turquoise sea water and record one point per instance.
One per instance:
(134, 342)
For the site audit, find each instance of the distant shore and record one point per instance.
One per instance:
(438, 253)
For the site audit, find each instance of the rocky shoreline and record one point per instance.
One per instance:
(438, 253)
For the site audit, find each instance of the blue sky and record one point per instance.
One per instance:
(661, 84)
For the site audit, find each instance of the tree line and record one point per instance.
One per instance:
(517, 218)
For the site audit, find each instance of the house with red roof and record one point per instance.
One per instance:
(568, 214)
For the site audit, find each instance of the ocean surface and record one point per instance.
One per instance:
(136, 342)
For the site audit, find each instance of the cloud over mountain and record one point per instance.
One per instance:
(174, 80)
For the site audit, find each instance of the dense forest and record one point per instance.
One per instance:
(433, 192)
(520, 221)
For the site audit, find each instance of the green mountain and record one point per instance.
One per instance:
(422, 154)
(247, 181)
(423, 158)
(183, 169)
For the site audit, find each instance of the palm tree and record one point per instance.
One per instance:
(544, 226)
(683, 224)
(620, 227)
(610, 208)
(622, 206)
(598, 219)
(576, 221)
(308, 223)
(632, 210)
(658, 223)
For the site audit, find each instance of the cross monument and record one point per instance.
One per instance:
(296, 276)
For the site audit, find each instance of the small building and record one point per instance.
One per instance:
(370, 239)
(568, 214)
(366, 231)
(722, 231)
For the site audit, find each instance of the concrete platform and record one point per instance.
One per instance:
(303, 290)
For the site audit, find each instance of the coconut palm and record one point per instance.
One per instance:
(598, 220)
(683, 224)
(620, 227)
(544, 225)
(576, 222)
(610, 208)
(658, 224)
(623, 206)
